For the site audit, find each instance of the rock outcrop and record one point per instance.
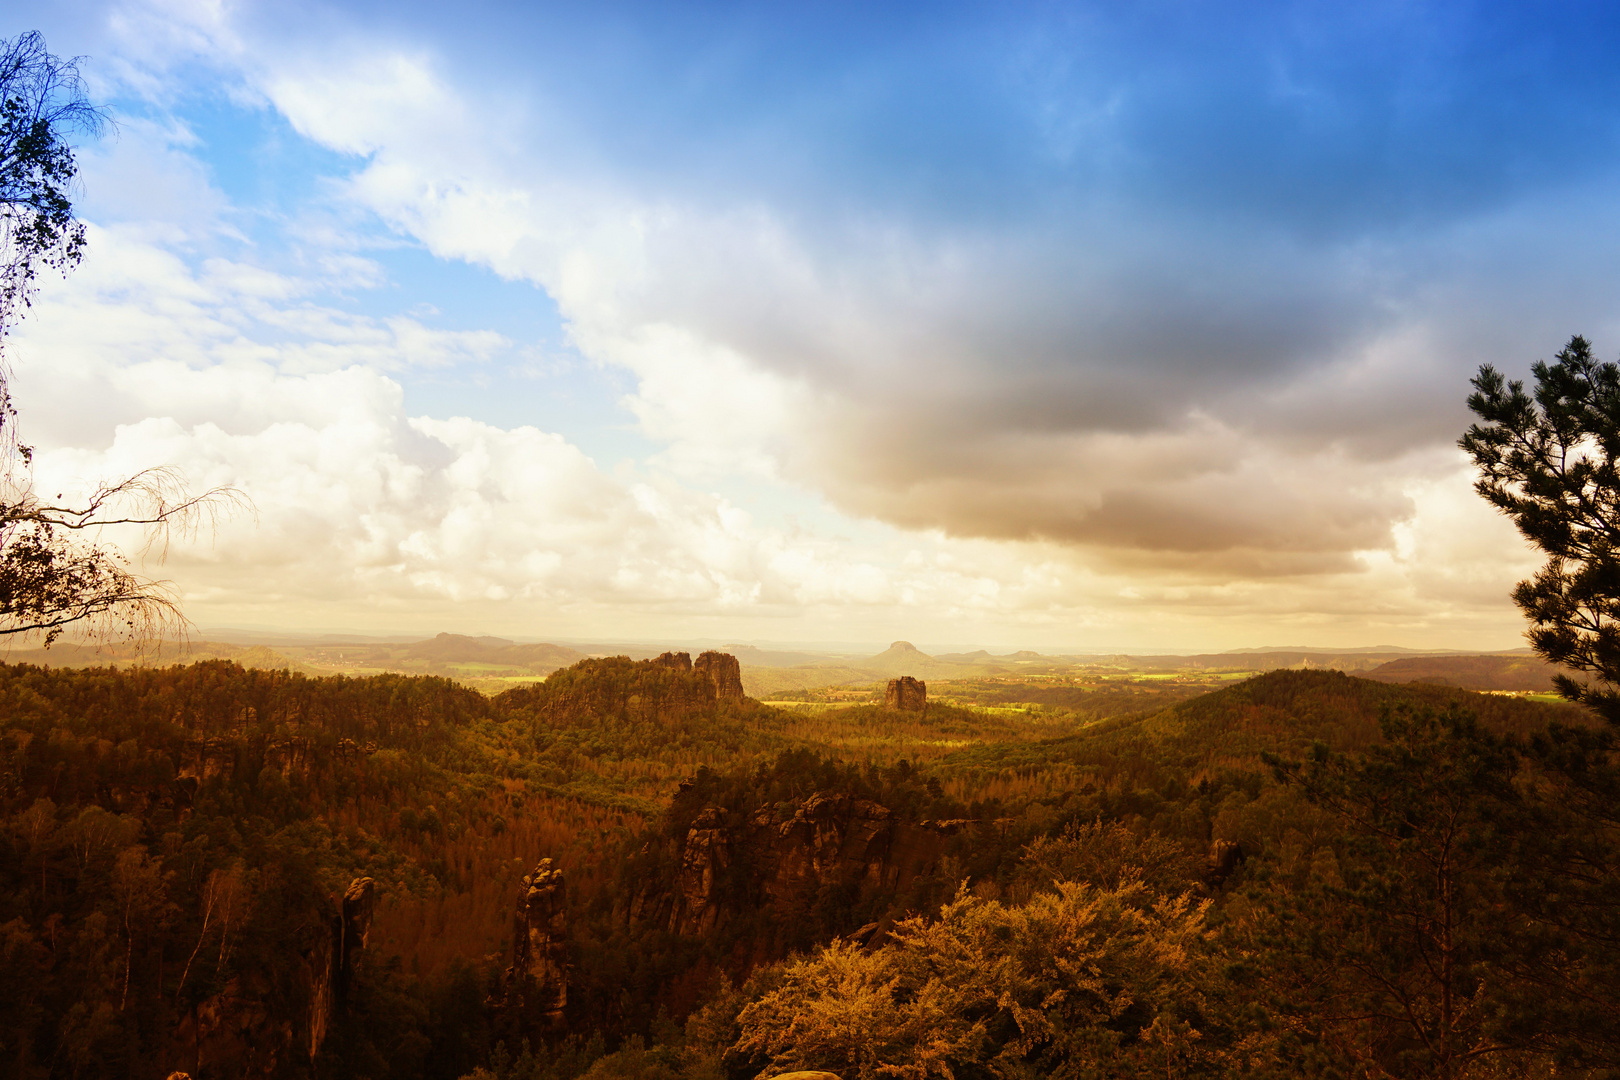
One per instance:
(353, 928)
(723, 671)
(233, 1032)
(202, 759)
(332, 968)
(659, 691)
(833, 836)
(705, 856)
(671, 688)
(537, 981)
(906, 694)
(1224, 857)
(832, 850)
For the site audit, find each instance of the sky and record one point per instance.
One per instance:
(1067, 326)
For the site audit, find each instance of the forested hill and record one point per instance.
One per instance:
(1473, 672)
(243, 872)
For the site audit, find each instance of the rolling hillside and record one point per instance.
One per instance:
(1512, 673)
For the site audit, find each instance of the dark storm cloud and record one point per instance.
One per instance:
(1192, 279)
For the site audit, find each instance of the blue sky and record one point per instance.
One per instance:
(1050, 325)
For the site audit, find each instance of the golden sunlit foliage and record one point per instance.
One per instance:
(1076, 981)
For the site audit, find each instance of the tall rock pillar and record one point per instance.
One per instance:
(538, 977)
(723, 670)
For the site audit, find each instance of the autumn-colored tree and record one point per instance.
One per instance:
(1079, 981)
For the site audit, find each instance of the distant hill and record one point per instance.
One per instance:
(1385, 649)
(1021, 658)
(978, 656)
(904, 658)
(753, 656)
(68, 654)
(1469, 672)
(1280, 712)
(1350, 660)
(900, 658)
(459, 648)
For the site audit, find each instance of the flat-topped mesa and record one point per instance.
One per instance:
(723, 671)
(665, 689)
(906, 694)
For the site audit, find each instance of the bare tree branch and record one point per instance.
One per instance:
(54, 570)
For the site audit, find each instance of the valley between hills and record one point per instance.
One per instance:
(632, 866)
(803, 678)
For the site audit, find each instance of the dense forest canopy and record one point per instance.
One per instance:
(1245, 883)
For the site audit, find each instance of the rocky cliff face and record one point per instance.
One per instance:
(353, 927)
(835, 838)
(785, 861)
(332, 969)
(705, 857)
(233, 1033)
(906, 694)
(203, 758)
(537, 981)
(723, 671)
(1224, 857)
(668, 689)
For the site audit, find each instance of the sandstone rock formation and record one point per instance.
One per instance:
(332, 968)
(203, 759)
(353, 928)
(724, 671)
(1224, 857)
(836, 836)
(705, 856)
(678, 660)
(616, 687)
(785, 858)
(537, 981)
(233, 1031)
(906, 694)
